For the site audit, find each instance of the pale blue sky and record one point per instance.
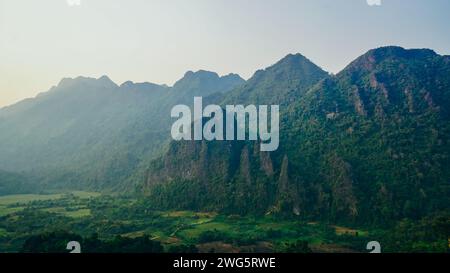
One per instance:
(158, 40)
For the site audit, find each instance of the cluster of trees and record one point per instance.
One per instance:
(430, 234)
(56, 242)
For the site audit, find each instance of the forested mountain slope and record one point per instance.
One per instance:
(367, 145)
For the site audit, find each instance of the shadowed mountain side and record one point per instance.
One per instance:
(92, 134)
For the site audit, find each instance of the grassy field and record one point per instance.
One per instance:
(14, 203)
(5, 210)
(26, 198)
(75, 213)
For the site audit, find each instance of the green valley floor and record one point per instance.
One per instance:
(107, 218)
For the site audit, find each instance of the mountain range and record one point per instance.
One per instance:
(90, 133)
(369, 144)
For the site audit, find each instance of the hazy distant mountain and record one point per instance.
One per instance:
(369, 145)
(13, 183)
(92, 133)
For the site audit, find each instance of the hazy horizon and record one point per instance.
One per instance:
(158, 41)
